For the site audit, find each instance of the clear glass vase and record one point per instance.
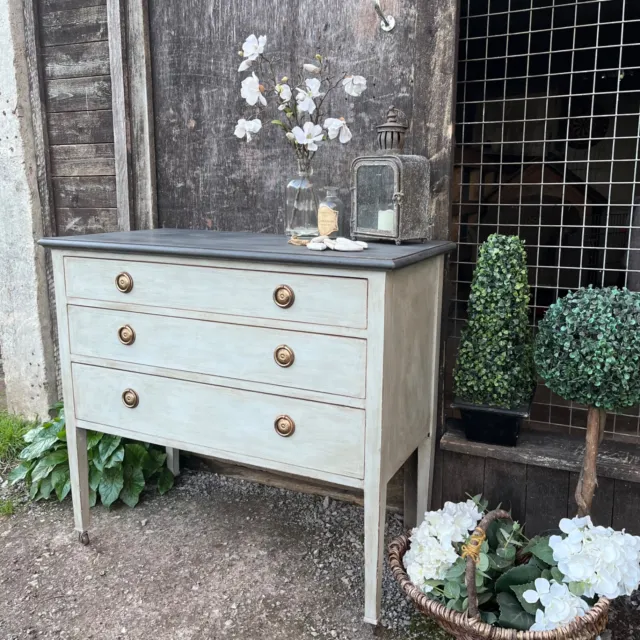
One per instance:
(302, 204)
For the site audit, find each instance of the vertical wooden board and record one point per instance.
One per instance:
(434, 96)
(436, 491)
(602, 508)
(462, 476)
(506, 483)
(547, 499)
(209, 179)
(626, 506)
(76, 60)
(80, 127)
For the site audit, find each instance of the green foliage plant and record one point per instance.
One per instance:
(588, 351)
(495, 359)
(12, 428)
(118, 468)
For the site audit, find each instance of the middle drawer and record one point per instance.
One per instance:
(326, 364)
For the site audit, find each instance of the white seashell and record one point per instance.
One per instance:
(316, 246)
(364, 245)
(332, 244)
(348, 245)
(318, 240)
(344, 247)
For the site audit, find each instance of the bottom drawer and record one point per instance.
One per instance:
(325, 437)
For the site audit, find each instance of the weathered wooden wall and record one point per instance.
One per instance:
(74, 63)
(208, 179)
(538, 496)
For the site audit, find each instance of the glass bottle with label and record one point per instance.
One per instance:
(331, 214)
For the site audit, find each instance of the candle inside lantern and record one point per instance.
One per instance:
(386, 218)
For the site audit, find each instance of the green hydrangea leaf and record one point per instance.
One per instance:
(111, 485)
(512, 615)
(165, 481)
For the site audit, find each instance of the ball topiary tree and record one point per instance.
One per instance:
(588, 350)
(495, 358)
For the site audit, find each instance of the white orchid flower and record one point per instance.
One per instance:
(253, 47)
(252, 90)
(308, 135)
(244, 65)
(354, 85)
(337, 127)
(305, 96)
(311, 68)
(247, 127)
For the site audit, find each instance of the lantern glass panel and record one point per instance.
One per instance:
(375, 189)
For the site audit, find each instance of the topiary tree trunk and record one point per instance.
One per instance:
(588, 481)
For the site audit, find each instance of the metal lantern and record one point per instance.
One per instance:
(390, 191)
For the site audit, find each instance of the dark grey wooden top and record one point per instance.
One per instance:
(248, 246)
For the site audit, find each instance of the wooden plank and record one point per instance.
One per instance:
(78, 94)
(80, 127)
(506, 483)
(73, 222)
(76, 60)
(47, 6)
(143, 156)
(73, 26)
(462, 476)
(619, 460)
(602, 508)
(121, 126)
(436, 490)
(626, 507)
(82, 160)
(434, 99)
(547, 499)
(85, 192)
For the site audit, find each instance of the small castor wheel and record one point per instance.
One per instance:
(83, 536)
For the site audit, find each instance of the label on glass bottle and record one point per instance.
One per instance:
(327, 220)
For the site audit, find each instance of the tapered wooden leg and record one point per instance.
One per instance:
(426, 458)
(79, 476)
(410, 471)
(375, 503)
(173, 460)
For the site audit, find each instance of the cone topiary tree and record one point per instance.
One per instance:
(588, 351)
(495, 358)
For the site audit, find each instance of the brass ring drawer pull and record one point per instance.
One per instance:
(284, 356)
(283, 296)
(284, 426)
(130, 398)
(124, 282)
(126, 334)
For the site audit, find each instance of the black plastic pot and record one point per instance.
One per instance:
(491, 425)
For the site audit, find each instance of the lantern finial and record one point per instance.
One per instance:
(391, 134)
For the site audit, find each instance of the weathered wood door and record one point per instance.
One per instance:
(207, 178)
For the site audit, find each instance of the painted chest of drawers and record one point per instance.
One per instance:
(241, 347)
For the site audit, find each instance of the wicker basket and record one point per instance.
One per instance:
(465, 627)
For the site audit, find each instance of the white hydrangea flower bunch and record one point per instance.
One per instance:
(432, 552)
(597, 561)
(560, 605)
(300, 99)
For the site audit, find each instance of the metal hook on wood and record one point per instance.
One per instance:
(388, 22)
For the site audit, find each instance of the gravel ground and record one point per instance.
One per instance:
(214, 558)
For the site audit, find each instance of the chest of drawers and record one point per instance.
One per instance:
(241, 347)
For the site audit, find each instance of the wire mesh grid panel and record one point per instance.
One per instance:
(547, 130)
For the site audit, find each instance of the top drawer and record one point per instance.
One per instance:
(327, 300)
